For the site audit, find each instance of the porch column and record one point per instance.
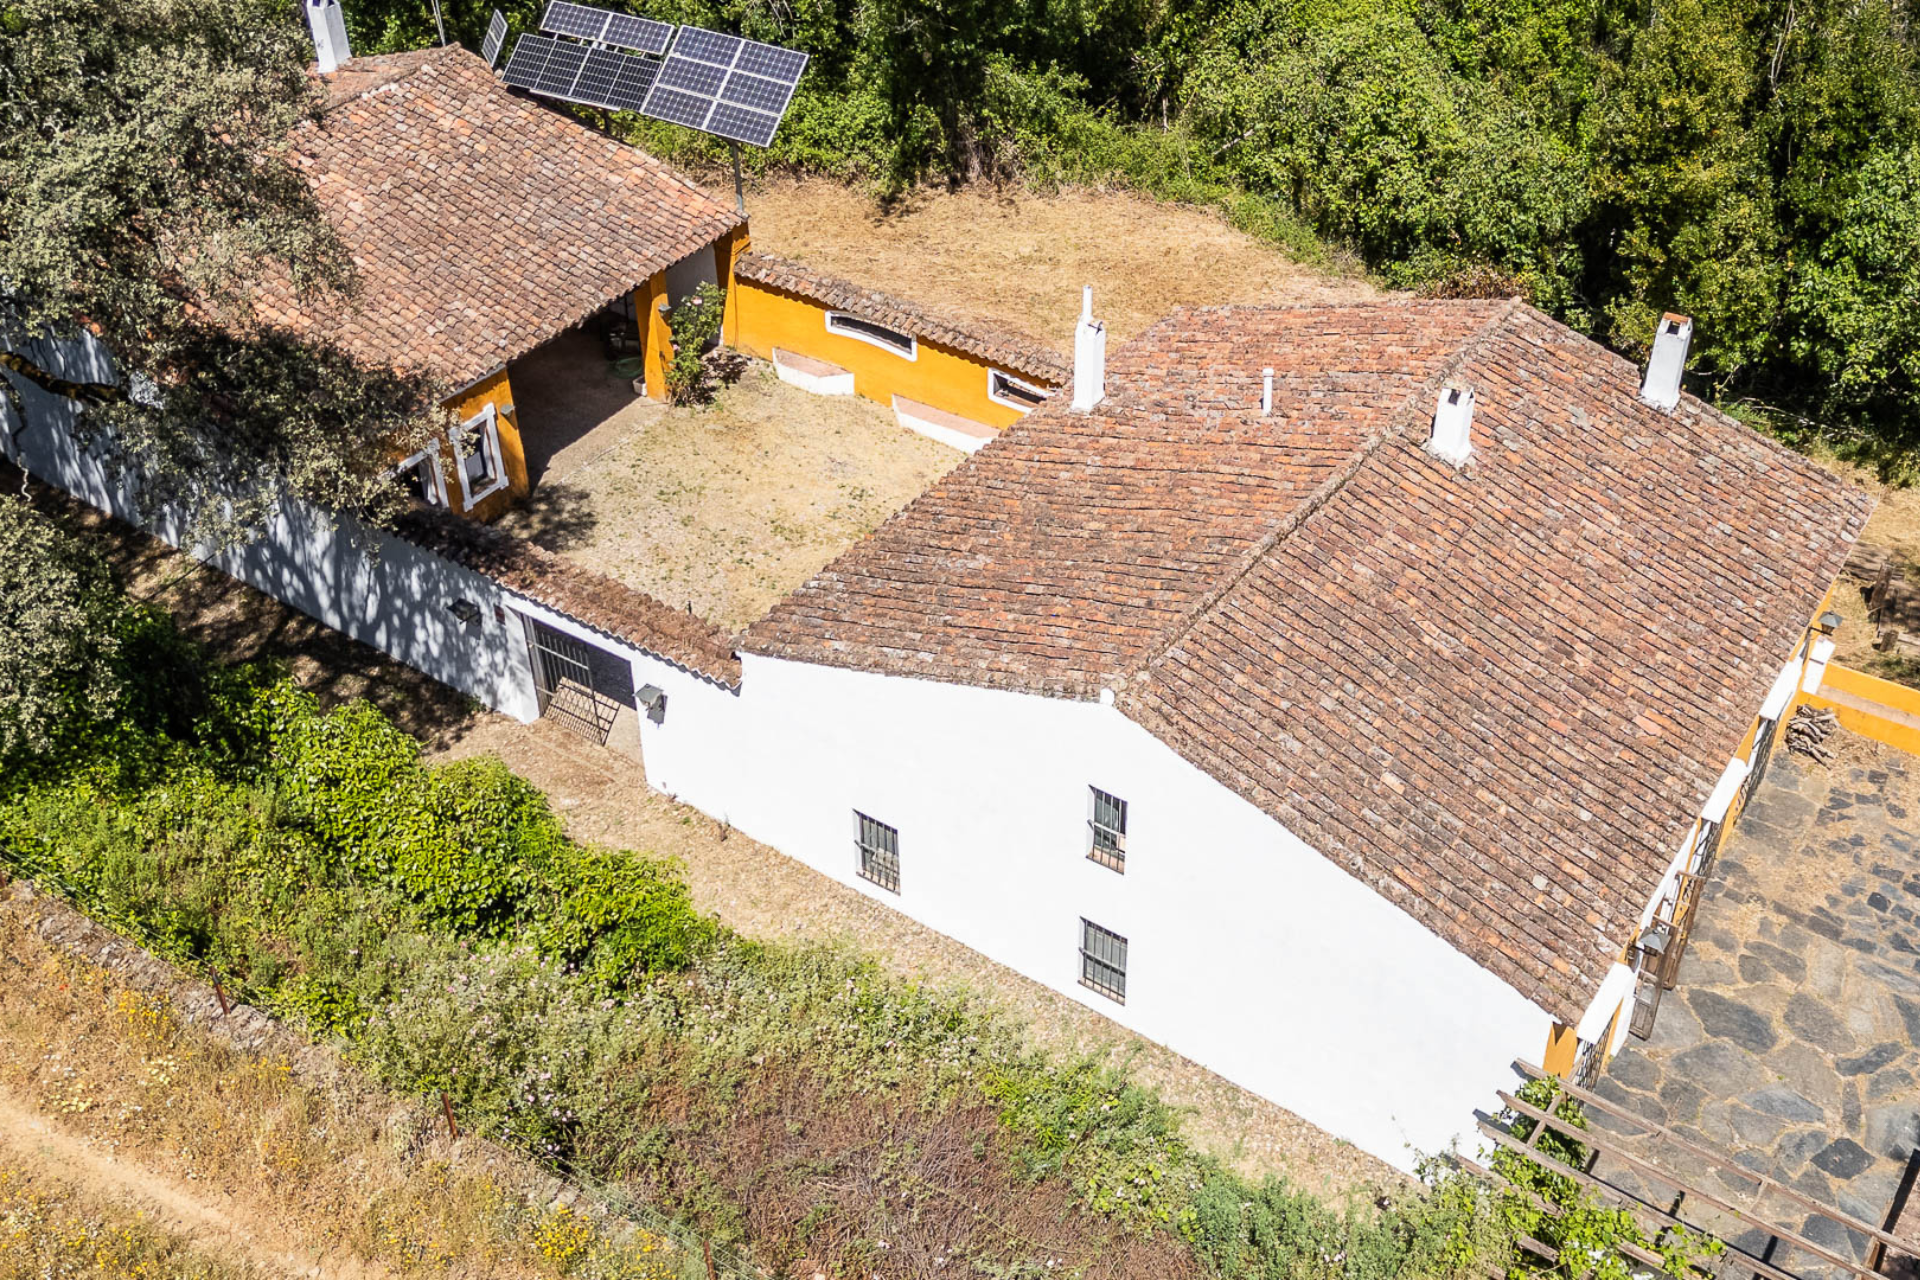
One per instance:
(656, 340)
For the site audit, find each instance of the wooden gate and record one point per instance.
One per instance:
(563, 677)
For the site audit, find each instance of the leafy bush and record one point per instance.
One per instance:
(694, 322)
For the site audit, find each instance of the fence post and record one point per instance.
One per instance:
(446, 1108)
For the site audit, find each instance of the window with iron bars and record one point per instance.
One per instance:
(1107, 829)
(879, 852)
(1103, 961)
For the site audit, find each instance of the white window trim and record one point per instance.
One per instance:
(913, 343)
(1040, 391)
(488, 424)
(436, 475)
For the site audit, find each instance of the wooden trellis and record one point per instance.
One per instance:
(1774, 1262)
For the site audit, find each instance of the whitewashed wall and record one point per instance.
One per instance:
(1247, 950)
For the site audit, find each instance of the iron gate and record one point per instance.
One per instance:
(563, 676)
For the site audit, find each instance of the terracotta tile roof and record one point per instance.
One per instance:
(481, 223)
(1003, 348)
(1495, 694)
(602, 603)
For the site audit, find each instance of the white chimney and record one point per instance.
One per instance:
(1089, 357)
(1668, 361)
(329, 34)
(1266, 392)
(1452, 424)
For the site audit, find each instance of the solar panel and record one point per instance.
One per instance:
(603, 26)
(630, 85)
(562, 69)
(496, 36)
(726, 86)
(530, 53)
(643, 34)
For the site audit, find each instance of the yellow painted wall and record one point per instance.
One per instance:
(763, 318)
(1901, 729)
(498, 392)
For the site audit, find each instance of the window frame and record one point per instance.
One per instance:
(433, 474)
(912, 351)
(870, 861)
(996, 376)
(1095, 967)
(1114, 856)
(487, 424)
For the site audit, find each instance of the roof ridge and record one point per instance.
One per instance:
(1329, 487)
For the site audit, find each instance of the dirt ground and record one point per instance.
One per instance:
(1895, 525)
(1020, 258)
(110, 1103)
(602, 796)
(724, 508)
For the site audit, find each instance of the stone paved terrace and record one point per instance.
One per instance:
(1790, 1039)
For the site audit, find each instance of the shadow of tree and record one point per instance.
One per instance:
(556, 517)
(239, 624)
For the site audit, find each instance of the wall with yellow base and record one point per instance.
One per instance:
(763, 318)
(1872, 707)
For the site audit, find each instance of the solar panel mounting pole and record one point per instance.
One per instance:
(440, 22)
(739, 187)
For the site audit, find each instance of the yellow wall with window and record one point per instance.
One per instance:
(498, 392)
(761, 318)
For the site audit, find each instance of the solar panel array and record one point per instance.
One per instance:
(720, 84)
(496, 36)
(577, 73)
(603, 26)
(725, 85)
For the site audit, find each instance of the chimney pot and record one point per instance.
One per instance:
(1089, 357)
(1661, 387)
(1452, 437)
(329, 30)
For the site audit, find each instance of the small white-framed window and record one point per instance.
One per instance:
(476, 458)
(422, 476)
(1015, 393)
(849, 325)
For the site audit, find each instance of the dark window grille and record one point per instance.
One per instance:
(1758, 759)
(1109, 827)
(1103, 961)
(892, 339)
(879, 852)
(1007, 387)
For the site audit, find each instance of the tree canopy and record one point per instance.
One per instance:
(144, 189)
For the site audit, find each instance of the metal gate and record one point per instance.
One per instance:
(563, 676)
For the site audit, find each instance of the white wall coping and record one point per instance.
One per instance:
(1782, 691)
(1721, 798)
(1614, 990)
(1817, 665)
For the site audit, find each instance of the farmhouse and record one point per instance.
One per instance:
(1348, 697)
(483, 226)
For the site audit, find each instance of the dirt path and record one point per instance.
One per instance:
(209, 1219)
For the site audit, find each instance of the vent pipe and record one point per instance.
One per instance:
(1661, 389)
(1089, 357)
(329, 34)
(1266, 392)
(1452, 437)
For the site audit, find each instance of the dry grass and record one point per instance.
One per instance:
(1019, 258)
(728, 507)
(102, 1090)
(1895, 525)
(50, 1229)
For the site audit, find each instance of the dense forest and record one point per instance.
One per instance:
(1753, 163)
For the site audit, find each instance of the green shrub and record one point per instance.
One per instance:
(694, 322)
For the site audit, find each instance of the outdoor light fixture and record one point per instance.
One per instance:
(1654, 941)
(652, 699)
(466, 610)
(1829, 623)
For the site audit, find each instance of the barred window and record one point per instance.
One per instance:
(879, 852)
(852, 326)
(1015, 393)
(1108, 830)
(1103, 961)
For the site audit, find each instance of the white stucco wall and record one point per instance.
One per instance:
(1248, 951)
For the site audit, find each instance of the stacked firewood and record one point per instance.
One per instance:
(1809, 730)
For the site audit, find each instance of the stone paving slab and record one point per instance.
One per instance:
(1790, 1038)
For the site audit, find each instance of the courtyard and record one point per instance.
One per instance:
(1790, 1038)
(721, 508)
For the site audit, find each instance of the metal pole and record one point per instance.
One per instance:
(739, 187)
(439, 22)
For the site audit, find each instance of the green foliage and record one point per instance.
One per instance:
(144, 193)
(694, 323)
